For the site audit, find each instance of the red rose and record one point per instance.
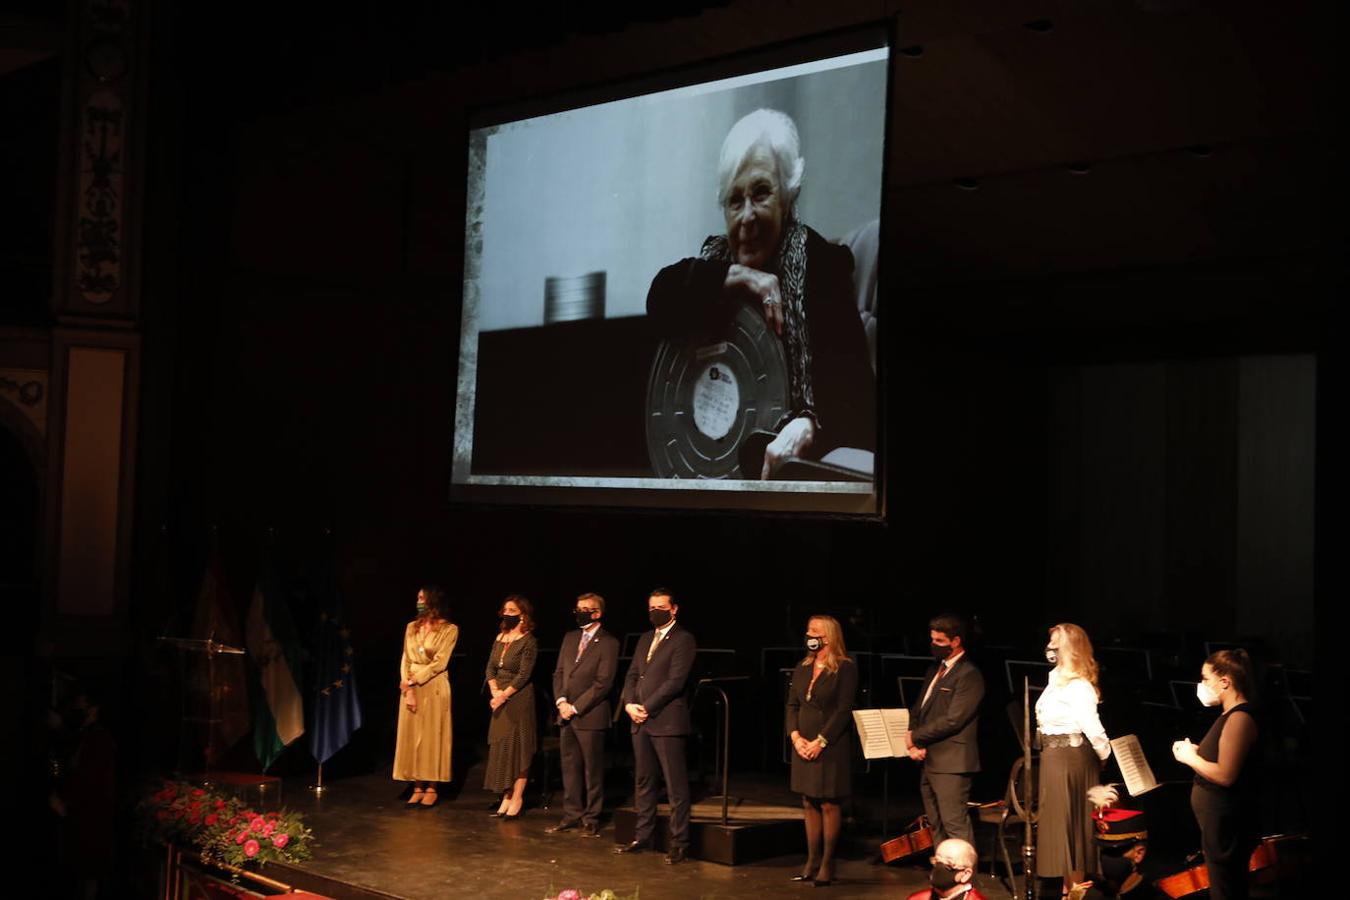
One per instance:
(220, 804)
(195, 804)
(281, 840)
(273, 814)
(212, 818)
(257, 824)
(251, 849)
(241, 837)
(198, 792)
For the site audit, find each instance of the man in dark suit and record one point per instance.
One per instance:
(653, 697)
(587, 662)
(942, 730)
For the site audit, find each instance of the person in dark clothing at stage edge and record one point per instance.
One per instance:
(942, 730)
(581, 681)
(1224, 794)
(653, 697)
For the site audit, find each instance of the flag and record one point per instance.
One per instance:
(227, 697)
(278, 710)
(335, 706)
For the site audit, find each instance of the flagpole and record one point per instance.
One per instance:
(318, 788)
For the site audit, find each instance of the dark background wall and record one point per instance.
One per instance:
(1109, 267)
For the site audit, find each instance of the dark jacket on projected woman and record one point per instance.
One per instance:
(688, 298)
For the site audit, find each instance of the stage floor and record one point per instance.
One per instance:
(365, 838)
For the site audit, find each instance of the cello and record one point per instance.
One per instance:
(1196, 879)
(916, 839)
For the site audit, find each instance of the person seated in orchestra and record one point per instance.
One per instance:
(819, 722)
(512, 732)
(953, 874)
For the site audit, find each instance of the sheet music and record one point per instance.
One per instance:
(897, 723)
(872, 729)
(1134, 765)
(882, 731)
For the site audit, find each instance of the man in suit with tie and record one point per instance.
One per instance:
(653, 697)
(587, 662)
(942, 735)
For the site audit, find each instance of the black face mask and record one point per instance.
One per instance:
(509, 622)
(941, 651)
(659, 617)
(583, 617)
(943, 878)
(813, 644)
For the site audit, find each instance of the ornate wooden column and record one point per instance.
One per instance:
(95, 362)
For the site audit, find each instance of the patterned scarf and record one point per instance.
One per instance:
(789, 264)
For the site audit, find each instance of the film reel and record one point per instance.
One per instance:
(705, 395)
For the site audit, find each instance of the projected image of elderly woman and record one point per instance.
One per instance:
(802, 283)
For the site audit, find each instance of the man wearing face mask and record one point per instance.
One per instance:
(943, 725)
(953, 873)
(653, 698)
(581, 681)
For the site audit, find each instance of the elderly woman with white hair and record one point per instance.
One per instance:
(800, 282)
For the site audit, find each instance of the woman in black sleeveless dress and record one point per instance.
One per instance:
(1223, 797)
(819, 723)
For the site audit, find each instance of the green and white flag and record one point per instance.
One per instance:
(278, 710)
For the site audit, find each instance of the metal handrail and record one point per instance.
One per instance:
(726, 730)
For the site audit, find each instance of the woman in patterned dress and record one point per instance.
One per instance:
(511, 734)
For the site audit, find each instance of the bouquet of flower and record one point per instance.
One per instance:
(574, 894)
(221, 826)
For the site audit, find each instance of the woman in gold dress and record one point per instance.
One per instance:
(422, 754)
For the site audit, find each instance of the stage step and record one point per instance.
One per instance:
(754, 831)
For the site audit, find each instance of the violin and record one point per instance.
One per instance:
(1196, 879)
(918, 838)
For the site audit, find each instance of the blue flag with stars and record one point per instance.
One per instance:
(336, 707)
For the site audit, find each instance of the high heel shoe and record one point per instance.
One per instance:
(429, 799)
(416, 798)
(512, 816)
(806, 874)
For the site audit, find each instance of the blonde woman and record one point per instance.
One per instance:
(1074, 747)
(422, 751)
(819, 723)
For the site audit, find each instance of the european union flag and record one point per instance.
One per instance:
(336, 707)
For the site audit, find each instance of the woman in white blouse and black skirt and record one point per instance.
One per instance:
(1074, 747)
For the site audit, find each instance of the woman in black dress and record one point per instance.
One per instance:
(511, 735)
(819, 723)
(1223, 797)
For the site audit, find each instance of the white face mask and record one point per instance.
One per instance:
(1205, 694)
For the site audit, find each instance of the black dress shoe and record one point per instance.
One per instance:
(634, 847)
(564, 825)
(676, 855)
(590, 831)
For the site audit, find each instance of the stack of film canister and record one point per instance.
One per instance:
(568, 299)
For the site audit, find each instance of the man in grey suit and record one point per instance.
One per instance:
(653, 697)
(582, 679)
(942, 735)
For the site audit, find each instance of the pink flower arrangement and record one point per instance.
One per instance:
(220, 826)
